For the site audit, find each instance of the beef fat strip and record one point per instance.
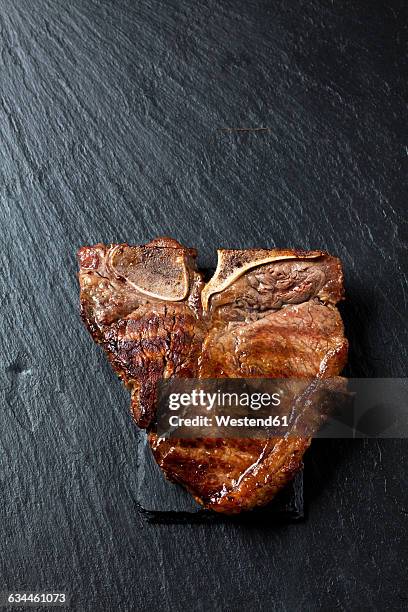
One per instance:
(264, 313)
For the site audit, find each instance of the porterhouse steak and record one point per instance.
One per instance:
(264, 313)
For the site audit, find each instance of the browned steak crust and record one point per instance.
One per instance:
(265, 313)
(146, 338)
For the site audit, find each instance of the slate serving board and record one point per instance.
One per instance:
(161, 501)
(240, 123)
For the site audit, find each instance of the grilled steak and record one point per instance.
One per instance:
(265, 313)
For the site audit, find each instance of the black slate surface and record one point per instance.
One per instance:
(161, 501)
(121, 121)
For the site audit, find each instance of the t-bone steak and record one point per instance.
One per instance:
(264, 314)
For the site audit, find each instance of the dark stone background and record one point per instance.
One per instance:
(119, 123)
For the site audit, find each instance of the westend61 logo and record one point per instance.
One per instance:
(203, 399)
